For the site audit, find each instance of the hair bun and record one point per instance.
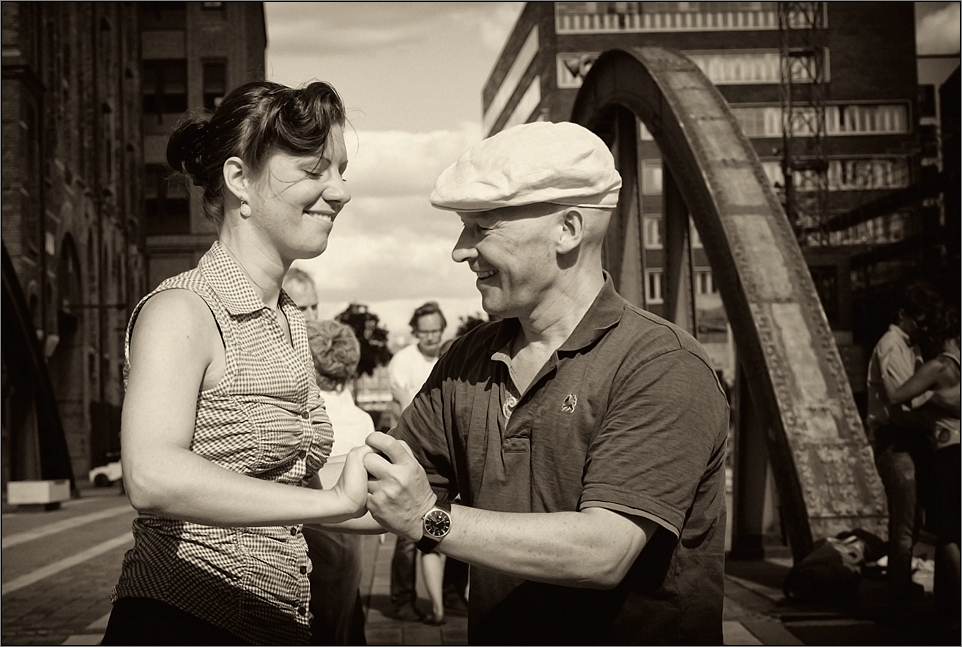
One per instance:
(185, 148)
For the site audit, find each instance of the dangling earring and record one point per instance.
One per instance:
(245, 209)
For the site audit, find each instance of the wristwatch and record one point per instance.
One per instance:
(436, 524)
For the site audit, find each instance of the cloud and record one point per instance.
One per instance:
(938, 32)
(396, 163)
(351, 28)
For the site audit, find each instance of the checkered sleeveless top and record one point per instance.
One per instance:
(265, 419)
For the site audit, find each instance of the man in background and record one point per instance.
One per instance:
(300, 287)
(408, 370)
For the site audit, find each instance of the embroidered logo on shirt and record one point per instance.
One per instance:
(508, 407)
(568, 406)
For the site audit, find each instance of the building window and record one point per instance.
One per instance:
(167, 202)
(704, 283)
(165, 87)
(861, 175)
(860, 119)
(651, 177)
(159, 16)
(215, 84)
(927, 101)
(653, 286)
(653, 233)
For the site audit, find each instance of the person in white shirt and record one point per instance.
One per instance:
(408, 370)
(898, 432)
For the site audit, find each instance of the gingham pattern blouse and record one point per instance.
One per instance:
(265, 419)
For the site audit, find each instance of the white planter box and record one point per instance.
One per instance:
(38, 492)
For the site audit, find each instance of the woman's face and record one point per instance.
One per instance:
(296, 198)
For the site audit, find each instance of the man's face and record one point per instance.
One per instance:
(305, 297)
(429, 330)
(511, 250)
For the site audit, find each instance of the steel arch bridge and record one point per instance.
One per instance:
(798, 395)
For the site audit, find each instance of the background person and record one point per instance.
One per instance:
(585, 436)
(940, 349)
(300, 288)
(897, 433)
(336, 557)
(408, 370)
(223, 424)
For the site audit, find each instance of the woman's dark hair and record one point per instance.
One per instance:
(252, 122)
(429, 308)
(943, 325)
(335, 350)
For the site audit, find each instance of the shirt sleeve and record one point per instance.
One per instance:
(662, 436)
(421, 426)
(896, 366)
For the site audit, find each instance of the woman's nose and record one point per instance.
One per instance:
(337, 191)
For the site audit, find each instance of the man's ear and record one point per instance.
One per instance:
(572, 230)
(237, 178)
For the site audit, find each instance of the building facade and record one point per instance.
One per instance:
(867, 120)
(72, 199)
(193, 53)
(89, 224)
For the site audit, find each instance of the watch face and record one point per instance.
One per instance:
(437, 523)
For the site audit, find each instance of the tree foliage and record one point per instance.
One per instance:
(469, 323)
(371, 335)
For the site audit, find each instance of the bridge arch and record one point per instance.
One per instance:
(823, 467)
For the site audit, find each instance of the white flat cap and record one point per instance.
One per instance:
(541, 162)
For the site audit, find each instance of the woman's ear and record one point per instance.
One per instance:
(237, 178)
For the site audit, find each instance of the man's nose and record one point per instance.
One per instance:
(463, 249)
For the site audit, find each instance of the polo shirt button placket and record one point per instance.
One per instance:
(293, 531)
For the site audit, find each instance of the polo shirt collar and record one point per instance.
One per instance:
(605, 312)
(229, 281)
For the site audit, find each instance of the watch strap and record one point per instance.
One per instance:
(427, 543)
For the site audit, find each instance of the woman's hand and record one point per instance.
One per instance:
(351, 486)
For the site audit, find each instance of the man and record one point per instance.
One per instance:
(898, 435)
(300, 288)
(585, 437)
(408, 370)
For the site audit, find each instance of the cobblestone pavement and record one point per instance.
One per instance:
(58, 568)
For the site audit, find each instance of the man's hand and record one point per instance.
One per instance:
(399, 494)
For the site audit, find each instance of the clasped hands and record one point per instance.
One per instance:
(383, 477)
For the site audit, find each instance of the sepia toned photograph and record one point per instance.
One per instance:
(480, 323)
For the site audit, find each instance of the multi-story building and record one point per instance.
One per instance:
(867, 119)
(193, 53)
(90, 221)
(72, 199)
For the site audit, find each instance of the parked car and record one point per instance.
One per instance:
(106, 475)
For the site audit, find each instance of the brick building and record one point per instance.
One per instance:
(90, 222)
(72, 199)
(868, 115)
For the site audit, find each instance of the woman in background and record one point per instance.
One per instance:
(336, 578)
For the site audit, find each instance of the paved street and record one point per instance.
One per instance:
(58, 567)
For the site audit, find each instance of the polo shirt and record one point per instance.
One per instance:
(627, 415)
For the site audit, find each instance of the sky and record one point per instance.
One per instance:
(411, 76)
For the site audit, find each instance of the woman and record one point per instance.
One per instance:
(336, 578)
(940, 347)
(223, 423)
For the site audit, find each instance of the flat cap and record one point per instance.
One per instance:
(541, 162)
